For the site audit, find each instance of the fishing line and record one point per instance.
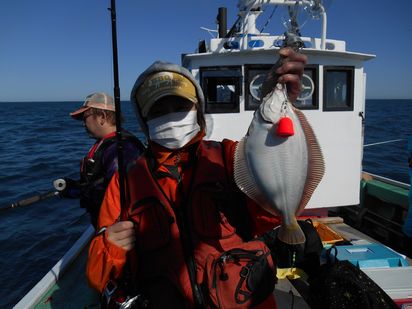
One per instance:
(268, 20)
(385, 142)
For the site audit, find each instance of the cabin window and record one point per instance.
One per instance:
(338, 88)
(308, 98)
(222, 88)
(255, 76)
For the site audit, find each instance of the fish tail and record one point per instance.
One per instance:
(291, 234)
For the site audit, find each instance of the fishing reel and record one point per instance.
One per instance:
(59, 184)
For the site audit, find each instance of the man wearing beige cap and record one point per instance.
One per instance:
(187, 240)
(98, 167)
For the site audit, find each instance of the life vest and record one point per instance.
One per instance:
(92, 170)
(173, 242)
(93, 174)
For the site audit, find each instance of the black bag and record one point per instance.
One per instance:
(341, 285)
(305, 256)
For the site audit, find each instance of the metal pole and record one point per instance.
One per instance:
(222, 22)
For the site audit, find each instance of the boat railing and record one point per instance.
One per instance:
(249, 12)
(389, 181)
(44, 285)
(256, 42)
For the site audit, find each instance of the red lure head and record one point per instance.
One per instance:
(285, 127)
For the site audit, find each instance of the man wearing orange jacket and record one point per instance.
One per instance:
(188, 236)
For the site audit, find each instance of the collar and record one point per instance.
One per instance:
(96, 145)
(163, 155)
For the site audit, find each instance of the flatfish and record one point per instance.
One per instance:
(280, 173)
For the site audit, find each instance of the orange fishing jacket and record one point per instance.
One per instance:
(156, 209)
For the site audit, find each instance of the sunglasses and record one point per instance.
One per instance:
(86, 116)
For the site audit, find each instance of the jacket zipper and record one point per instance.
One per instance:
(185, 239)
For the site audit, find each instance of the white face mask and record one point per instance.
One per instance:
(173, 130)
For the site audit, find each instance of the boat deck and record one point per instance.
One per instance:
(285, 288)
(71, 290)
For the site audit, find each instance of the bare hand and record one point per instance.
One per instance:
(291, 71)
(122, 234)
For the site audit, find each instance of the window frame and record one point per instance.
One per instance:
(315, 77)
(315, 96)
(350, 82)
(248, 68)
(226, 72)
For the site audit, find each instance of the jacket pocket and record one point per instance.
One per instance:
(207, 211)
(152, 224)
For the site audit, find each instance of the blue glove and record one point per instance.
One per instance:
(72, 189)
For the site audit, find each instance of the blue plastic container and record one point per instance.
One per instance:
(370, 255)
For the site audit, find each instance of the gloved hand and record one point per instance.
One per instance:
(72, 188)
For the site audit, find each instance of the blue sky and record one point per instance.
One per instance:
(58, 50)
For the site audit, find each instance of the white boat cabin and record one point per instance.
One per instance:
(231, 68)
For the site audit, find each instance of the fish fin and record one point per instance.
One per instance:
(291, 234)
(316, 163)
(244, 178)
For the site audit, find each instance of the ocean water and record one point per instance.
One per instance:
(39, 142)
(385, 121)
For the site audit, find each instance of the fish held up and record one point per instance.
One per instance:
(279, 162)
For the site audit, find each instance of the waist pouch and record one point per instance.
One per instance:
(240, 277)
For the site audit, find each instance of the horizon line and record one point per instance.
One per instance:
(128, 100)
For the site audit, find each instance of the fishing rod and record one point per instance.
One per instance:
(59, 185)
(385, 142)
(142, 302)
(30, 200)
(116, 91)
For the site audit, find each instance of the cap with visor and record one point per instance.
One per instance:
(162, 84)
(164, 67)
(98, 100)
